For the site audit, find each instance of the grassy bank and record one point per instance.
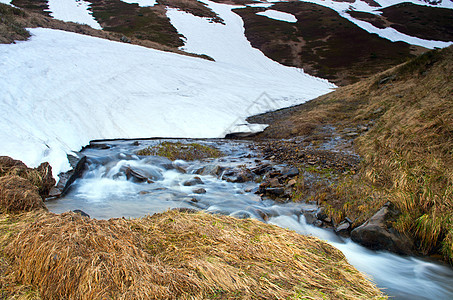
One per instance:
(179, 254)
(174, 255)
(406, 152)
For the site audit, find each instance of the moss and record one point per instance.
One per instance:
(178, 150)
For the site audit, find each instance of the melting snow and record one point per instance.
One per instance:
(278, 15)
(73, 11)
(59, 90)
(142, 3)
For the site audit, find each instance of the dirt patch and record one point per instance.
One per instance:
(323, 43)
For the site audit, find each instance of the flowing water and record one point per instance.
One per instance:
(107, 190)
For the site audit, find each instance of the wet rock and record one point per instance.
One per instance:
(239, 176)
(343, 229)
(378, 234)
(81, 212)
(136, 143)
(321, 214)
(185, 210)
(77, 173)
(293, 171)
(263, 215)
(199, 191)
(310, 218)
(213, 170)
(273, 183)
(261, 170)
(241, 214)
(193, 181)
(275, 191)
(318, 223)
(135, 174)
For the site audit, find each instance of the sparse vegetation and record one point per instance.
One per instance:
(322, 42)
(406, 154)
(178, 150)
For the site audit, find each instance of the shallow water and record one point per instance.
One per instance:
(106, 192)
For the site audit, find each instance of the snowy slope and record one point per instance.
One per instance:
(73, 11)
(60, 90)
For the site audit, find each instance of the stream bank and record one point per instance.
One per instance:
(245, 184)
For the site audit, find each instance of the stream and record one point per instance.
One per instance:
(107, 190)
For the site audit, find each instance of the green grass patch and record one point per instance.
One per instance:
(178, 150)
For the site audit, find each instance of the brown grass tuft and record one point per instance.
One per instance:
(174, 255)
(18, 194)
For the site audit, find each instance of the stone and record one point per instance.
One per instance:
(213, 170)
(275, 191)
(377, 233)
(274, 183)
(199, 191)
(343, 229)
(77, 173)
(81, 212)
(291, 183)
(193, 181)
(310, 218)
(293, 171)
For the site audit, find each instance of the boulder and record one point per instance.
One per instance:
(199, 191)
(378, 233)
(193, 181)
(214, 170)
(343, 229)
(76, 173)
(81, 212)
(291, 172)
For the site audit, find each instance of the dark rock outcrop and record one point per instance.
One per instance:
(378, 233)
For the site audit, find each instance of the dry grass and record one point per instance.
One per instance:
(407, 153)
(18, 194)
(174, 255)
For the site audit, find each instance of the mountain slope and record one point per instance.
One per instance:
(406, 153)
(60, 90)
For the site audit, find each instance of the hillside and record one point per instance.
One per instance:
(405, 141)
(59, 90)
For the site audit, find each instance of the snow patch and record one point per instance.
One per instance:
(278, 15)
(59, 90)
(5, 1)
(394, 35)
(73, 11)
(142, 3)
